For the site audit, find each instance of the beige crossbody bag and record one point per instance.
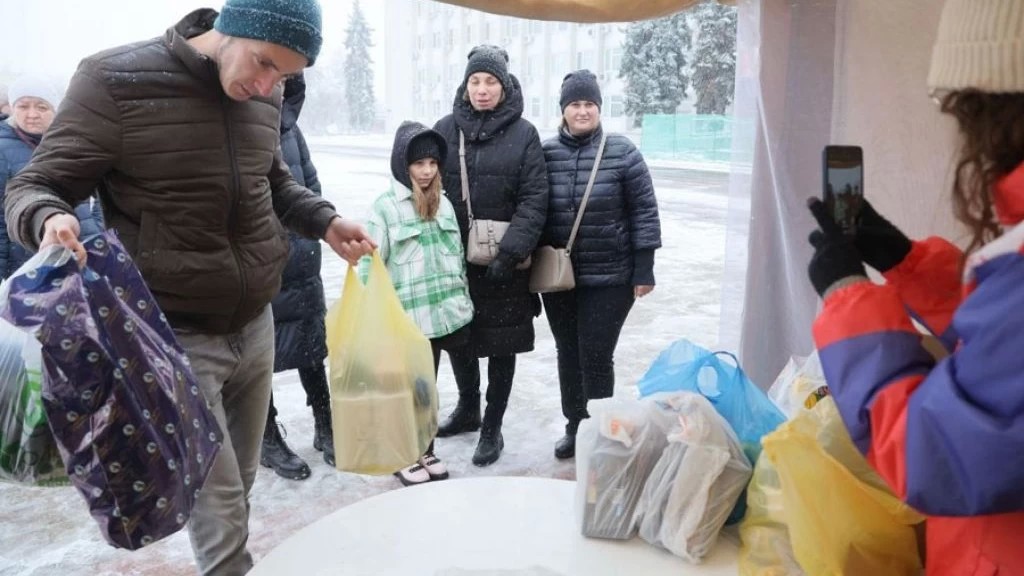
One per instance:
(484, 235)
(552, 267)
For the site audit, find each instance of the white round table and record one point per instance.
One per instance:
(507, 526)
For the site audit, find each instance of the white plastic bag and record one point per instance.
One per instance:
(28, 452)
(616, 448)
(800, 384)
(696, 482)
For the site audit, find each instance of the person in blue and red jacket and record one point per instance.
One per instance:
(948, 436)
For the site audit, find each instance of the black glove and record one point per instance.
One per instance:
(882, 244)
(500, 269)
(835, 256)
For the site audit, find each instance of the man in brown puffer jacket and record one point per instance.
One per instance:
(180, 135)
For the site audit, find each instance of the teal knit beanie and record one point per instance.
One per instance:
(294, 24)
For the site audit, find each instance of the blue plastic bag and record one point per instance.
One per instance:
(684, 366)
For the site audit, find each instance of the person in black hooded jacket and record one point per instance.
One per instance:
(612, 254)
(507, 181)
(300, 338)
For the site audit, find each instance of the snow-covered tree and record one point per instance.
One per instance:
(654, 65)
(359, 71)
(326, 108)
(714, 58)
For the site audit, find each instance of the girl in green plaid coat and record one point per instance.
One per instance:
(418, 238)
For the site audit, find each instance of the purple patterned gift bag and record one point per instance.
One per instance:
(133, 428)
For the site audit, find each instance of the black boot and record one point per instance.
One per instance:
(491, 443)
(566, 446)
(465, 417)
(323, 433)
(489, 448)
(277, 455)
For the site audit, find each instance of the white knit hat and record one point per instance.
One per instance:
(36, 87)
(980, 45)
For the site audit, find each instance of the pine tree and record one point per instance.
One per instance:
(326, 108)
(359, 71)
(654, 66)
(714, 58)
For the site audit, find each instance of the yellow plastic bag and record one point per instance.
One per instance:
(815, 501)
(766, 549)
(383, 391)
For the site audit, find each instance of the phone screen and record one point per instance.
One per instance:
(844, 184)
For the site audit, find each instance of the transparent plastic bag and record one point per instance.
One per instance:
(686, 367)
(697, 481)
(616, 449)
(383, 392)
(800, 384)
(28, 452)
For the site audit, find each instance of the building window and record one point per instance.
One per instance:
(451, 38)
(612, 62)
(536, 26)
(618, 109)
(469, 34)
(513, 27)
(585, 59)
(563, 25)
(560, 66)
(535, 107)
(533, 67)
(437, 39)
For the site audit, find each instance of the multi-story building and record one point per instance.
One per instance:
(426, 45)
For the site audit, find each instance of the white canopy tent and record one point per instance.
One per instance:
(809, 73)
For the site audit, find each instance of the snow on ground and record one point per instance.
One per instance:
(49, 531)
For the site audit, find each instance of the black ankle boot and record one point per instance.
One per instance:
(275, 454)
(323, 433)
(491, 443)
(465, 417)
(566, 446)
(489, 448)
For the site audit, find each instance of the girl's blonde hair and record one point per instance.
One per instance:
(427, 200)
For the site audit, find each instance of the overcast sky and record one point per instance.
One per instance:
(51, 36)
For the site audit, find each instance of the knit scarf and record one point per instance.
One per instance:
(31, 140)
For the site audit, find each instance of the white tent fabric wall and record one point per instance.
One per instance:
(882, 104)
(794, 43)
(827, 71)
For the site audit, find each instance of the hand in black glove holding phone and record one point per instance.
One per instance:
(882, 244)
(835, 256)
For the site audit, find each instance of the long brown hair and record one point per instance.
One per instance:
(427, 200)
(992, 146)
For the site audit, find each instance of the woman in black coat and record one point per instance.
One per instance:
(300, 339)
(507, 181)
(613, 252)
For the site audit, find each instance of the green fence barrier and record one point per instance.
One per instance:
(697, 138)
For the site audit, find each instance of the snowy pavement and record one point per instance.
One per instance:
(48, 532)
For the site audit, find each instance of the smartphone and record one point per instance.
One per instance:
(843, 190)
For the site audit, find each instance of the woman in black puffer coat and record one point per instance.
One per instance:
(613, 253)
(300, 339)
(507, 182)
